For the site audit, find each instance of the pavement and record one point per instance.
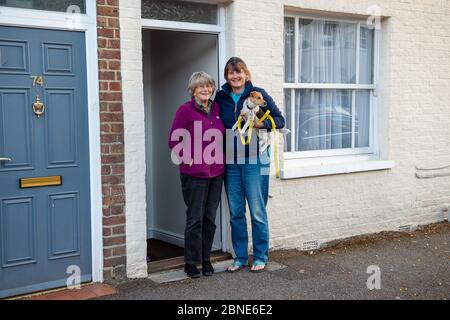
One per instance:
(402, 266)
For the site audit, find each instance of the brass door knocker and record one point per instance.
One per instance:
(38, 107)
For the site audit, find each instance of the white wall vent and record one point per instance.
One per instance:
(310, 245)
(405, 228)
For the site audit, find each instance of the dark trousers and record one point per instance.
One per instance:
(202, 198)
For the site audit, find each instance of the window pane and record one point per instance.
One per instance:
(181, 11)
(287, 117)
(77, 6)
(366, 56)
(328, 52)
(323, 119)
(362, 119)
(289, 50)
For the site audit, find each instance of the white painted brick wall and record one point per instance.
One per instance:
(414, 100)
(133, 106)
(415, 95)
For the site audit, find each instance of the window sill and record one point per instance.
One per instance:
(294, 169)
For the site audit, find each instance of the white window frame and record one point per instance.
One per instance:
(326, 162)
(297, 85)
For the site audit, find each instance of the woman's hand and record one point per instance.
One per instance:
(257, 124)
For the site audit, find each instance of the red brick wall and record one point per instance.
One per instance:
(112, 139)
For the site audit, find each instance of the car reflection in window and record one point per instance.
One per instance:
(331, 129)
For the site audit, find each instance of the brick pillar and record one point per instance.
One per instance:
(112, 138)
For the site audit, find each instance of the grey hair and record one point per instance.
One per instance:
(198, 79)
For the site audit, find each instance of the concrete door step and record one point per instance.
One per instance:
(178, 262)
(221, 266)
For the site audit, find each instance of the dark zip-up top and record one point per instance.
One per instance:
(186, 118)
(229, 110)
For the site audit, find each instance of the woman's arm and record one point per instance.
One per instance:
(274, 112)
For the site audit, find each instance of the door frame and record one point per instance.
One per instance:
(219, 30)
(87, 23)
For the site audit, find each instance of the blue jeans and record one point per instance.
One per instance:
(251, 182)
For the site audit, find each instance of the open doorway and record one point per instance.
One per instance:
(169, 58)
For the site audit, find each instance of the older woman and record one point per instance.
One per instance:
(201, 162)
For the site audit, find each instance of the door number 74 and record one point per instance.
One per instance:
(37, 81)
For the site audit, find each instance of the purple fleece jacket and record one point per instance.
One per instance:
(203, 157)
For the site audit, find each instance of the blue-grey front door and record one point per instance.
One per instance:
(45, 222)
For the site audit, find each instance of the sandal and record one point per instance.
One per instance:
(236, 266)
(258, 267)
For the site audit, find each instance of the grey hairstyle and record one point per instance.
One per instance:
(198, 79)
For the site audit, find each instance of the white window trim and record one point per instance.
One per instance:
(181, 26)
(36, 18)
(329, 86)
(328, 162)
(32, 18)
(326, 167)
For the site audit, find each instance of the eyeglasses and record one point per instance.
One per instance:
(205, 86)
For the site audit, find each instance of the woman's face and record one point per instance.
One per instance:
(236, 79)
(203, 92)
